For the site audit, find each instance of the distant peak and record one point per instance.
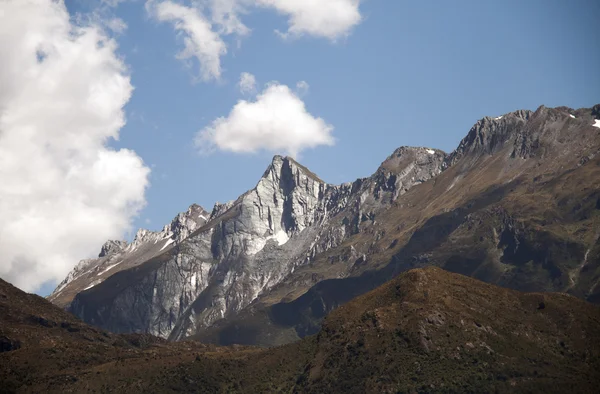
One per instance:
(278, 158)
(195, 208)
(406, 158)
(141, 235)
(403, 150)
(112, 247)
(281, 163)
(490, 133)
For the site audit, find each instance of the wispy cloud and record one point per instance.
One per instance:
(203, 24)
(247, 83)
(199, 39)
(302, 88)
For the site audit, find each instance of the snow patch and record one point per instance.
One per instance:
(430, 151)
(202, 217)
(94, 283)
(597, 123)
(498, 118)
(571, 116)
(107, 269)
(458, 178)
(169, 242)
(254, 245)
(282, 237)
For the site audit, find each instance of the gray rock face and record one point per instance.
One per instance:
(246, 247)
(116, 256)
(489, 135)
(112, 247)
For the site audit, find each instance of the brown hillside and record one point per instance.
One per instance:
(426, 331)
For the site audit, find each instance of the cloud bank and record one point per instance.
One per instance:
(63, 191)
(276, 121)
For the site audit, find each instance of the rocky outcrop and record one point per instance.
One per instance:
(489, 135)
(116, 256)
(112, 247)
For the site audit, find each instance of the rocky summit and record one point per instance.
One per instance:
(517, 204)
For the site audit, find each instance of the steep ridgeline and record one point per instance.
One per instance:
(116, 256)
(244, 249)
(518, 205)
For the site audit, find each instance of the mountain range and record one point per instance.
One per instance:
(517, 204)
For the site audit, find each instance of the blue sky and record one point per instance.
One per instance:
(412, 73)
(381, 74)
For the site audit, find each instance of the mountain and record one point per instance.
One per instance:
(245, 248)
(516, 204)
(427, 330)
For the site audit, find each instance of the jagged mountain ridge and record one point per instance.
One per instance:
(116, 256)
(522, 211)
(325, 248)
(246, 247)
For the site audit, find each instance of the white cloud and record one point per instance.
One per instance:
(63, 192)
(302, 88)
(203, 25)
(117, 25)
(199, 40)
(112, 3)
(225, 14)
(331, 19)
(247, 83)
(276, 121)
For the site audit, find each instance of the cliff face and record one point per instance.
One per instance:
(116, 256)
(213, 268)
